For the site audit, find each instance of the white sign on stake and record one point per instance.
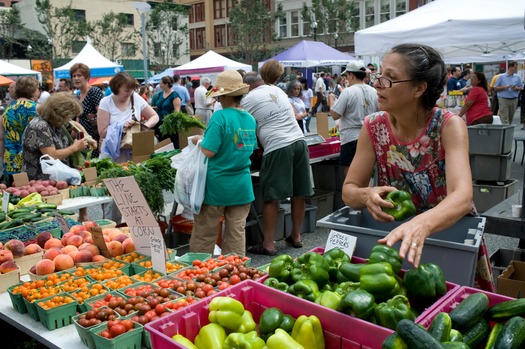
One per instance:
(5, 201)
(341, 240)
(158, 254)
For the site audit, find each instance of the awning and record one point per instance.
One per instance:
(5, 81)
(139, 74)
(99, 81)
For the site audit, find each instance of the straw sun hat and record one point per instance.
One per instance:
(229, 83)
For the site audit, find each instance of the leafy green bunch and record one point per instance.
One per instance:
(179, 122)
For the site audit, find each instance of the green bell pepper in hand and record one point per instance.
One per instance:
(311, 266)
(281, 268)
(274, 283)
(211, 336)
(403, 205)
(329, 299)
(308, 332)
(358, 303)
(349, 272)
(379, 279)
(427, 281)
(389, 313)
(385, 253)
(250, 340)
(335, 257)
(306, 289)
(282, 340)
(185, 342)
(344, 287)
(227, 312)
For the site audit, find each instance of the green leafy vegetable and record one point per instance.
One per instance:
(179, 122)
(161, 168)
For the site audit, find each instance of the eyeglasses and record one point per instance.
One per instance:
(386, 82)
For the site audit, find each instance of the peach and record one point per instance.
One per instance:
(114, 248)
(65, 237)
(90, 224)
(44, 267)
(99, 258)
(51, 253)
(8, 266)
(6, 255)
(32, 249)
(1, 245)
(63, 262)
(83, 256)
(68, 248)
(89, 247)
(120, 238)
(32, 270)
(53, 242)
(128, 246)
(73, 254)
(111, 232)
(75, 240)
(16, 247)
(42, 238)
(76, 229)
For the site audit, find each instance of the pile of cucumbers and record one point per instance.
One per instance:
(30, 214)
(468, 325)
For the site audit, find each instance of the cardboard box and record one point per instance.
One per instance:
(9, 279)
(322, 124)
(91, 176)
(143, 146)
(20, 179)
(53, 199)
(512, 281)
(26, 262)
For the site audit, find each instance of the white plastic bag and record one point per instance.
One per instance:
(190, 182)
(58, 171)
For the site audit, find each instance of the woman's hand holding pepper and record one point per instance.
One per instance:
(375, 202)
(80, 144)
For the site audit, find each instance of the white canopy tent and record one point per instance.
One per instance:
(13, 71)
(466, 28)
(97, 63)
(210, 62)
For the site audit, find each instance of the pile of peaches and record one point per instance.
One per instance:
(14, 249)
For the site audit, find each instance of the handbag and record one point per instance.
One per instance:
(127, 133)
(189, 109)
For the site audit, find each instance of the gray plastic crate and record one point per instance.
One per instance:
(500, 260)
(252, 234)
(490, 167)
(308, 223)
(490, 139)
(448, 248)
(487, 195)
(324, 201)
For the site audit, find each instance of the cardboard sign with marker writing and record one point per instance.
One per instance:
(158, 254)
(135, 212)
(62, 223)
(98, 240)
(341, 240)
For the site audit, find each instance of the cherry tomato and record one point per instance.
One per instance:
(160, 308)
(117, 330)
(105, 334)
(235, 279)
(128, 324)
(112, 323)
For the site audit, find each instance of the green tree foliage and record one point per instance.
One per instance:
(112, 30)
(166, 33)
(10, 27)
(252, 24)
(337, 20)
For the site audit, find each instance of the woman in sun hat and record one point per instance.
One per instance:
(228, 142)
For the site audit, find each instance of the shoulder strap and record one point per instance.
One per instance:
(133, 107)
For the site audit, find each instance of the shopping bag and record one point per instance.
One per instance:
(190, 181)
(58, 171)
(127, 135)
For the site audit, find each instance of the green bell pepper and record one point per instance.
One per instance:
(185, 342)
(308, 332)
(349, 272)
(329, 299)
(358, 303)
(227, 312)
(394, 342)
(344, 287)
(247, 323)
(403, 205)
(335, 257)
(385, 253)
(328, 287)
(427, 281)
(282, 340)
(274, 283)
(210, 336)
(248, 340)
(311, 266)
(389, 313)
(272, 319)
(306, 289)
(379, 279)
(281, 268)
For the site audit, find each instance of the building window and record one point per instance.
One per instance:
(307, 29)
(200, 37)
(77, 46)
(294, 24)
(232, 39)
(220, 36)
(127, 49)
(355, 22)
(283, 33)
(192, 39)
(219, 9)
(198, 12)
(175, 50)
(129, 19)
(369, 14)
(229, 7)
(401, 7)
(384, 15)
(79, 15)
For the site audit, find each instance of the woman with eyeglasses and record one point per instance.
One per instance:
(414, 146)
(295, 96)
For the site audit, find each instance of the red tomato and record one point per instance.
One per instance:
(105, 334)
(160, 308)
(128, 324)
(207, 288)
(235, 279)
(112, 323)
(117, 330)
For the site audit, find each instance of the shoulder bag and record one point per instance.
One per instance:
(127, 132)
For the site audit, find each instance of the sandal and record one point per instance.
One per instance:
(294, 244)
(259, 249)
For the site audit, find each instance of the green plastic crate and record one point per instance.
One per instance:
(17, 300)
(128, 340)
(90, 301)
(189, 257)
(31, 310)
(85, 332)
(59, 316)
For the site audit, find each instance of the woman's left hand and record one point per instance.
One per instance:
(413, 235)
(129, 123)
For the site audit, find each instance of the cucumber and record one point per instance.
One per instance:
(440, 327)
(512, 335)
(65, 212)
(46, 210)
(415, 336)
(469, 311)
(477, 334)
(455, 345)
(46, 206)
(18, 211)
(11, 224)
(506, 310)
(456, 336)
(29, 217)
(38, 219)
(393, 342)
(3, 217)
(50, 214)
(491, 341)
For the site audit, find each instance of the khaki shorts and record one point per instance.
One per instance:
(285, 173)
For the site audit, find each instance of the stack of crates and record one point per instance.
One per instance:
(490, 149)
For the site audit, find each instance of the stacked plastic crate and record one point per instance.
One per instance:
(490, 149)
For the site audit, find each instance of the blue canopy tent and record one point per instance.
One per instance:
(98, 64)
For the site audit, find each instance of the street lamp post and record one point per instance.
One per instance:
(314, 28)
(143, 8)
(336, 36)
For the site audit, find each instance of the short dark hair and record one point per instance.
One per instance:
(122, 79)
(512, 64)
(176, 78)
(167, 80)
(81, 68)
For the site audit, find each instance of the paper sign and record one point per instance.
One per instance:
(135, 211)
(5, 201)
(341, 240)
(158, 254)
(62, 223)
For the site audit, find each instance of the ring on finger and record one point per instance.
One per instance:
(413, 245)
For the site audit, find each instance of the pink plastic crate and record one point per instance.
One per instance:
(458, 296)
(340, 331)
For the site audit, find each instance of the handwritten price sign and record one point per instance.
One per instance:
(341, 240)
(158, 254)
